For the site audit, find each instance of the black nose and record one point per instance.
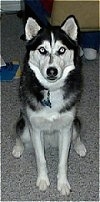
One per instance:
(52, 72)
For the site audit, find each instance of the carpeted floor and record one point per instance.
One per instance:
(19, 175)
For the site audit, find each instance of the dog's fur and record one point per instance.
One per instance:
(50, 87)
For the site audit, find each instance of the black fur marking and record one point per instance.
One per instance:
(77, 124)
(66, 40)
(43, 34)
(30, 91)
(59, 34)
(73, 84)
(72, 89)
(20, 125)
(67, 107)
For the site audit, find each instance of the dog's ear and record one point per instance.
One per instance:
(31, 28)
(70, 27)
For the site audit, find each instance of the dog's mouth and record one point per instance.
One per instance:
(52, 78)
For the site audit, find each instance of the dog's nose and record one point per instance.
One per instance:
(52, 72)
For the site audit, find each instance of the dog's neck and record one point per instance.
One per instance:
(52, 98)
(46, 100)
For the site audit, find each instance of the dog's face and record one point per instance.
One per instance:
(51, 50)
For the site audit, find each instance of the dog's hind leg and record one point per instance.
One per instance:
(78, 145)
(21, 130)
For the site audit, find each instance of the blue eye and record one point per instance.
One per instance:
(42, 50)
(61, 50)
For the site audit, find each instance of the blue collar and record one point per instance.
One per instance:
(46, 102)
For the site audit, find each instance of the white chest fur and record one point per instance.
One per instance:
(49, 118)
(56, 99)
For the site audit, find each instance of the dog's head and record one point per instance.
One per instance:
(52, 50)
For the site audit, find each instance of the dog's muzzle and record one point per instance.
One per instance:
(52, 73)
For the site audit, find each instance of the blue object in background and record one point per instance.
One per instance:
(37, 7)
(8, 72)
(90, 40)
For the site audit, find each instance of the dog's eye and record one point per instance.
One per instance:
(61, 50)
(42, 50)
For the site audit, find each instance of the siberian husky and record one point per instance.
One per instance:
(50, 87)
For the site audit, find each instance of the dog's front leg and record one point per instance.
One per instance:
(64, 145)
(42, 180)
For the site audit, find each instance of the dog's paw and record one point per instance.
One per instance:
(17, 151)
(42, 183)
(80, 149)
(63, 187)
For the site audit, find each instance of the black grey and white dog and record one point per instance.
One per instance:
(50, 87)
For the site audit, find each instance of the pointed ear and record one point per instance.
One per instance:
(31, 28)
(70, 27)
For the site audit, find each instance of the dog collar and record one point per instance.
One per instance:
(46, 102)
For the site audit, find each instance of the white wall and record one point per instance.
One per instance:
(12, 5)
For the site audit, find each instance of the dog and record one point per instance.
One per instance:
(50, 87)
